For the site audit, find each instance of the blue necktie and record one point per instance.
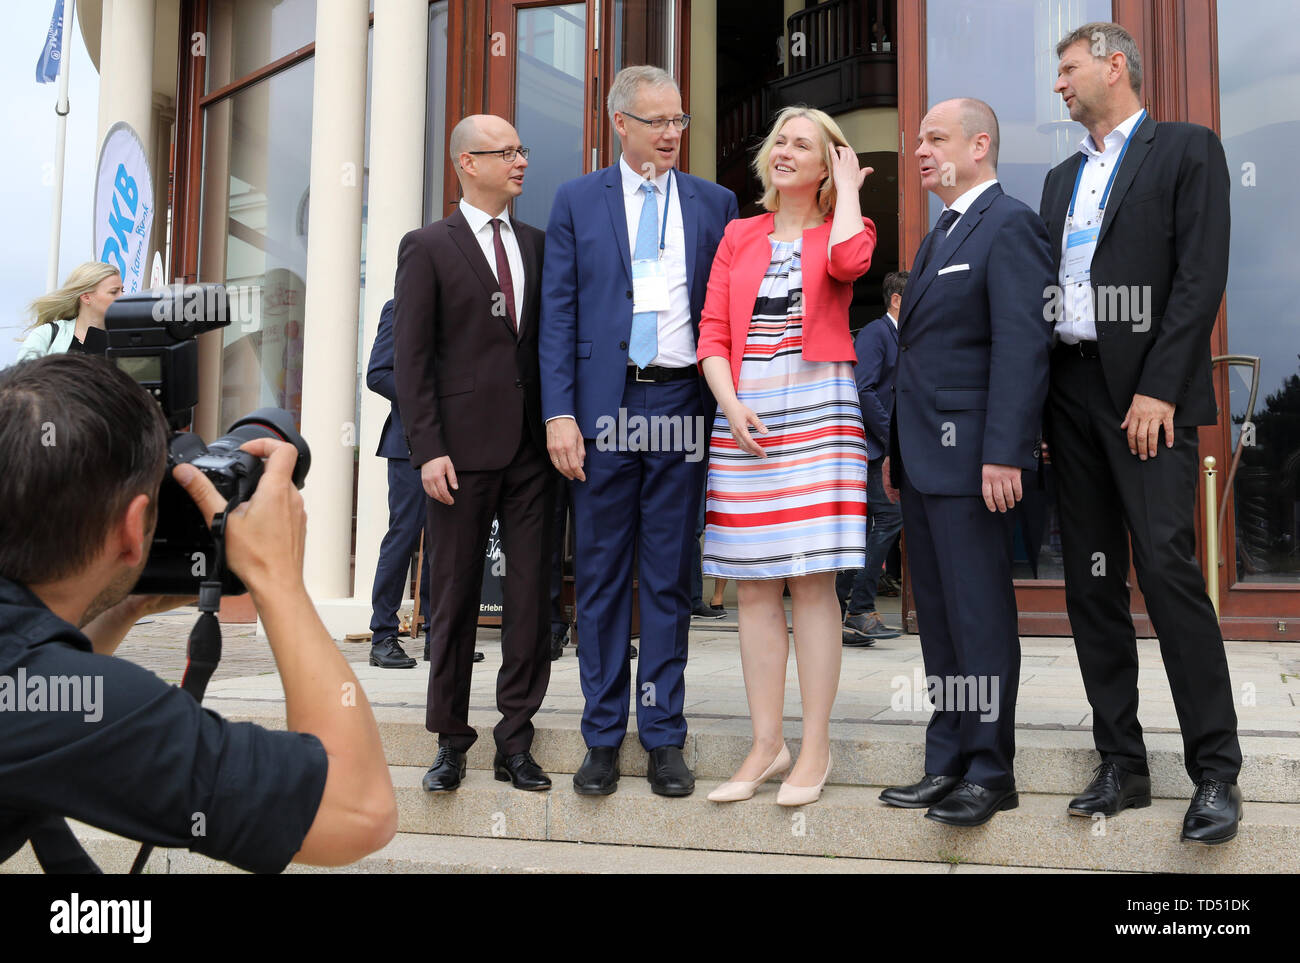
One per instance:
(644, 344)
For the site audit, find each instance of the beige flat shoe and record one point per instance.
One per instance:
(737, 791)
(789, 795)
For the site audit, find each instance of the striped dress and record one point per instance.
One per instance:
(803, 508)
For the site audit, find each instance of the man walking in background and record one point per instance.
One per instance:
(877, 349)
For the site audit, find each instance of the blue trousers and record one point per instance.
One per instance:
(959, 556)
(637, 507)
(884, 522)
(406, 516)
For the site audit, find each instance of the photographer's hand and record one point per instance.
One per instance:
(107, 629)
(264, 546)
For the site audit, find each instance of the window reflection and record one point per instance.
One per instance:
(1004, 53)
(549, 87)
(1259, 116)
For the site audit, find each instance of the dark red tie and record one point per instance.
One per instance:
(504, 280)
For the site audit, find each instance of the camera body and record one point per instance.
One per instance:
(151, 336)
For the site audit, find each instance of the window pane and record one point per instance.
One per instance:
(256, 172)
(549, 86)
(244, 35)
(1259, 116)
(435, 128)
(1004, 53)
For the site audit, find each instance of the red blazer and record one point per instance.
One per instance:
(738, 269)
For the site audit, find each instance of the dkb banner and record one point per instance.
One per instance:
(123, 206)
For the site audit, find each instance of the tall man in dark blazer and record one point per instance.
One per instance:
(604, 364)
(1139, 228)
(406, 510)
(972, 377)
(467, 296)
(877, 349)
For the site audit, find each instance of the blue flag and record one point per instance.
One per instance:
(47, 68)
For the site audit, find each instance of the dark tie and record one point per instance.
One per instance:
(936, 237)
(504, 280)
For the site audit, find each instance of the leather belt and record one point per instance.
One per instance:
(1082, 349)
(653, 374)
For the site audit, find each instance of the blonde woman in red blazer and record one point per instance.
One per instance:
(788, 460)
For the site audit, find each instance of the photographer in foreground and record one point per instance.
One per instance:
(83, 450)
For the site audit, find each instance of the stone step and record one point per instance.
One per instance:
(426, 853)
(1051, 761)
(850, 822)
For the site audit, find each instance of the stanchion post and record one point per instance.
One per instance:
(1212, 531)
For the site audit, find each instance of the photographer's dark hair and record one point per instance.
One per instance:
(78, 440)
(894, 283)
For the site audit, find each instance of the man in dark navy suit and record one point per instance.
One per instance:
(877, 349)
(603, 364)
(406, 510)
(972, 375)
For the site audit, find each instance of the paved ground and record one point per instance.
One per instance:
(879, 684)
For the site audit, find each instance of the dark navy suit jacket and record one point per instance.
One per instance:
(587, 288)
(877, 349)
(973, 348)
(379, 379)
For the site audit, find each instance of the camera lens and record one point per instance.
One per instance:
(268, 423)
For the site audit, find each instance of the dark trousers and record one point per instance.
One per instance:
(642, 505)
(1107, 497)
(520, 496)
(406, 518)
(884, 522)
(559, 621)
(959, 556)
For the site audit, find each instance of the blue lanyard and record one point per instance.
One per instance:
(663, 232)
(1105, 196)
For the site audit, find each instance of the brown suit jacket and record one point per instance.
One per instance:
(466, 386)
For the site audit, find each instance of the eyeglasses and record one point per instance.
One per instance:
(659, 123)
(507, 153)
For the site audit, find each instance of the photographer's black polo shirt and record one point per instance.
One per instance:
(141, 758)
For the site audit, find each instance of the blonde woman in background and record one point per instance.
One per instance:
(63, 316)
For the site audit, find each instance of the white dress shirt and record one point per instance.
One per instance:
(480, 223)
(1078, 320)
(962, 204)
(676, 338)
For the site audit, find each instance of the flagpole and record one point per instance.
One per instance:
(60, 142)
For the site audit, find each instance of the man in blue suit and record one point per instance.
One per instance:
(877, 349)
(406, 513)
(972, 378)
(617, 353)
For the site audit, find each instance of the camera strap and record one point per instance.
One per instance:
(204, 649)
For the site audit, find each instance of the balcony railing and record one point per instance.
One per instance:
(837, 30)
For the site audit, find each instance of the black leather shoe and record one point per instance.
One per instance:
(598, 774)
(1111, 791)
(1215, 813)
(447, 771)
(478, 656)
(389, 654)
(521, 770)
(920, 795)
(972, 805)
(557, 645)
(667, 773)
